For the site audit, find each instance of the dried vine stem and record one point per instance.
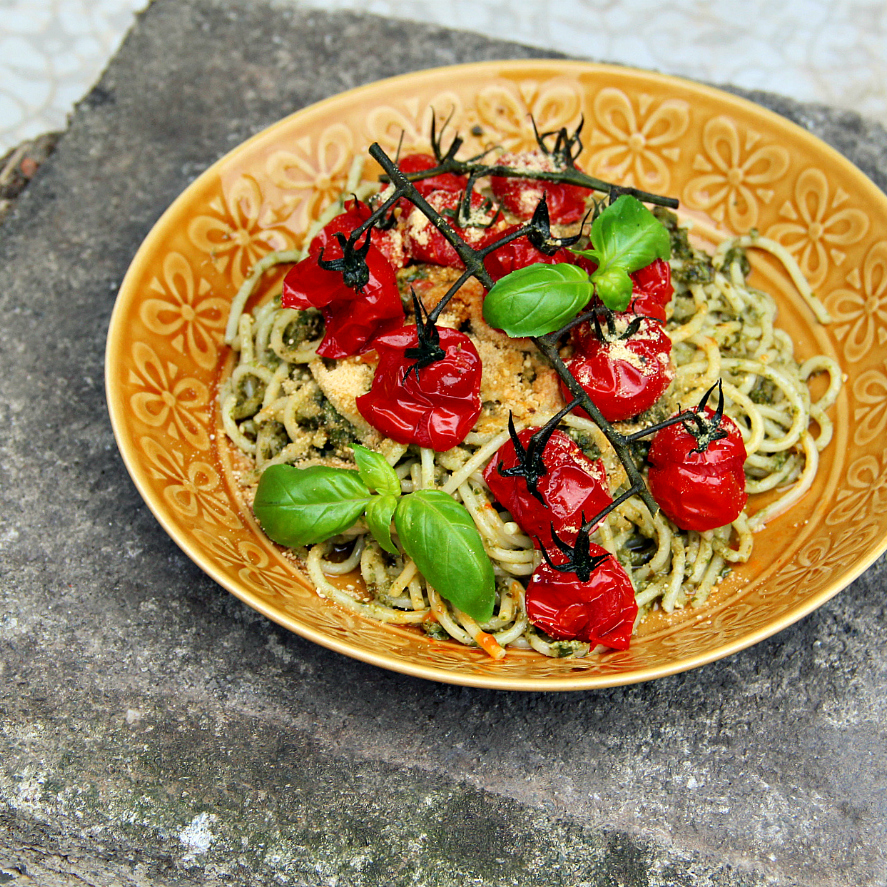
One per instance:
(474, 267)
(618, 441)
(567, 147)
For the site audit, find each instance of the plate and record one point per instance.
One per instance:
(733, 165)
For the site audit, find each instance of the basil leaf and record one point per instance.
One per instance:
(380, 512)
(301, 506)
(613, 287)
(626, 235)
(375, 471)
(437, 532)
(538, 299)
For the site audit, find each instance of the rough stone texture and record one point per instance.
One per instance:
(154, 731)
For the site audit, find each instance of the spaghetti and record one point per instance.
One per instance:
(282, 403)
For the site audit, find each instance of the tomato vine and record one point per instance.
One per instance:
(626, 238)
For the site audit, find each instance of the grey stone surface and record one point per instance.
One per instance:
(154, 731)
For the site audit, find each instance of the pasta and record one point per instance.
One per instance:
(282, 403)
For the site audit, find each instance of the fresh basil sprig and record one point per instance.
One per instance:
(439, 534)
(379, 514)
(538, 299)
(303, 506)
(626, 238)
(375, 471)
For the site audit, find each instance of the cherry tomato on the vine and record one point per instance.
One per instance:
(520, 253)
(651, 287)
(446, 181)
(389, 242)
(623, 377)
(566, 203)
(424, 243)
(353, 317)
(651, 290)
(574, 488)
(600, 610)
(698, 490)
(435, 406)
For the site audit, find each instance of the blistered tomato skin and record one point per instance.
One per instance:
(624, 377)
(435, 410)
(353, 318)
(566, 203)
(574, 489)
(388, 242)
(519, 253)
(601, 610)
(652, 290)
(446, 181)
(698, 491)
(424, 243)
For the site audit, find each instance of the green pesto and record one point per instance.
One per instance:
(585, 441)
(559, 649)
(435, 631)
(680, 241)
(270, 440)
(777, 460)
(659, 412)
(565, 649)
(305, 327)
(737, 254)
(764, 392)
(341, 434)
(250, 394)
(692, 271)
(689, 265)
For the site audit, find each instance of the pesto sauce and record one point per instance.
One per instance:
(341, 434)
(565, 649)
(305, 327)
(435, 631)
(270, 440)
(688, 264)
(585, 441)
(680, 240)
(737, 254)
(249, 396)
(764, 392)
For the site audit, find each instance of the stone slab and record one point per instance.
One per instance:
(154, 731)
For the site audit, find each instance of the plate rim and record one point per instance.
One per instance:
(487, 680)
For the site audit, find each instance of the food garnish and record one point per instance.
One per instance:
(453, 263)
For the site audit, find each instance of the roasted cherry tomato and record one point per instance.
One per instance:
(520, 253)
(698, 490)
(651, 289)
(446, 181)
(623, 377)
(424, 243)
(353, 317)
(389, 242)
(600, 610)
(573, 488)
(566, 203)
(433, 406)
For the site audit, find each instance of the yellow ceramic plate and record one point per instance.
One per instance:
(733, 165)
